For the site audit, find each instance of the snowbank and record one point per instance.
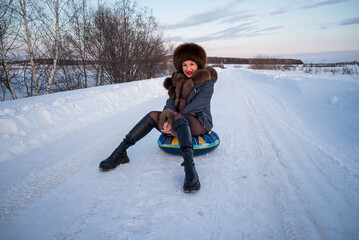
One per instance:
(29, 123)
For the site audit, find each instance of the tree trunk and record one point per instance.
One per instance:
(8, 80)
(34, 77)
(56, 54)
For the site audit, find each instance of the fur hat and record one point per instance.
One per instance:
(189, 51)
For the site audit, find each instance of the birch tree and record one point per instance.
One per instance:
(55, 10)
(24, 14)
(8, 83)
(78, 38)
(57, 23)
(6, 27)
(52, 17)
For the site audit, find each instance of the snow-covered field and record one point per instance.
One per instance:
(287, 166)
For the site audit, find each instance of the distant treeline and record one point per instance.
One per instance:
(227, 60)
(211, 60)
(332, 64)
(48, 61)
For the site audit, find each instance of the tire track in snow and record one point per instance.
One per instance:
(284, 144)
(329, 164)
(270, 150)
(237, 146)
(225, 193)
(220, 191)
(41, 180)
(253, 143)
(280, 194)
(328, 160)
(305, 156)
(308, 150)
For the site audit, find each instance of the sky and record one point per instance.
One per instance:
(312, 30)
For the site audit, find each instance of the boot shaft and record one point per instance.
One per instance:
(119, 155)
(184, 137)
(141, 129)
(183, 133)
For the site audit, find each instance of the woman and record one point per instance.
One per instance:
(186, 113)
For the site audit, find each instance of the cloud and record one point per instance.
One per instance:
(286, 9)
(175, 39)
(239, 31)
(225, 13)
(202, 18)
(350, 21)
(281, 10)
(232, 32)
(238, 18)
(222, 15)
(323, 3)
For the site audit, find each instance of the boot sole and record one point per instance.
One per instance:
(110, 169)
(192, 189)
(106, 170)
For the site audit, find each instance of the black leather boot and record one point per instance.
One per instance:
(183, 132)
(119, 156)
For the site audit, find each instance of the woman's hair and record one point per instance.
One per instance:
(189, 51)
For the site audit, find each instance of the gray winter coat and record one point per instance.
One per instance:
(198, 103)
(190, 96)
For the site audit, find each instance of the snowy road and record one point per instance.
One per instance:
(278, 173)
(292, 172)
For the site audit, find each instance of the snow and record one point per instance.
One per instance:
(287, 166)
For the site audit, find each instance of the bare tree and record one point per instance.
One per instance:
(55, 29)
(6, 27)
(132, 46)
(97, 42)
(23, 13)
(7, 83)
(78, 39)
(50, 20)
(55, 10)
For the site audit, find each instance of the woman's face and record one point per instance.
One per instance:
(189, 67)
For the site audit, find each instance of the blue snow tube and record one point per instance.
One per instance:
(201, 145)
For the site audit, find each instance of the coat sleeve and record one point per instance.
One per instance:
(170, 104)
(201, 99)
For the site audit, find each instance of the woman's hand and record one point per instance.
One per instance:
(166, 128)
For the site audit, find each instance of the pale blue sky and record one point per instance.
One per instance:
(245, 28)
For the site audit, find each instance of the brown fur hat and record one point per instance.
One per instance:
(189, 51)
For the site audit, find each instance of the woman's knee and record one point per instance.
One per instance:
(155, 115)
(179, 116)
